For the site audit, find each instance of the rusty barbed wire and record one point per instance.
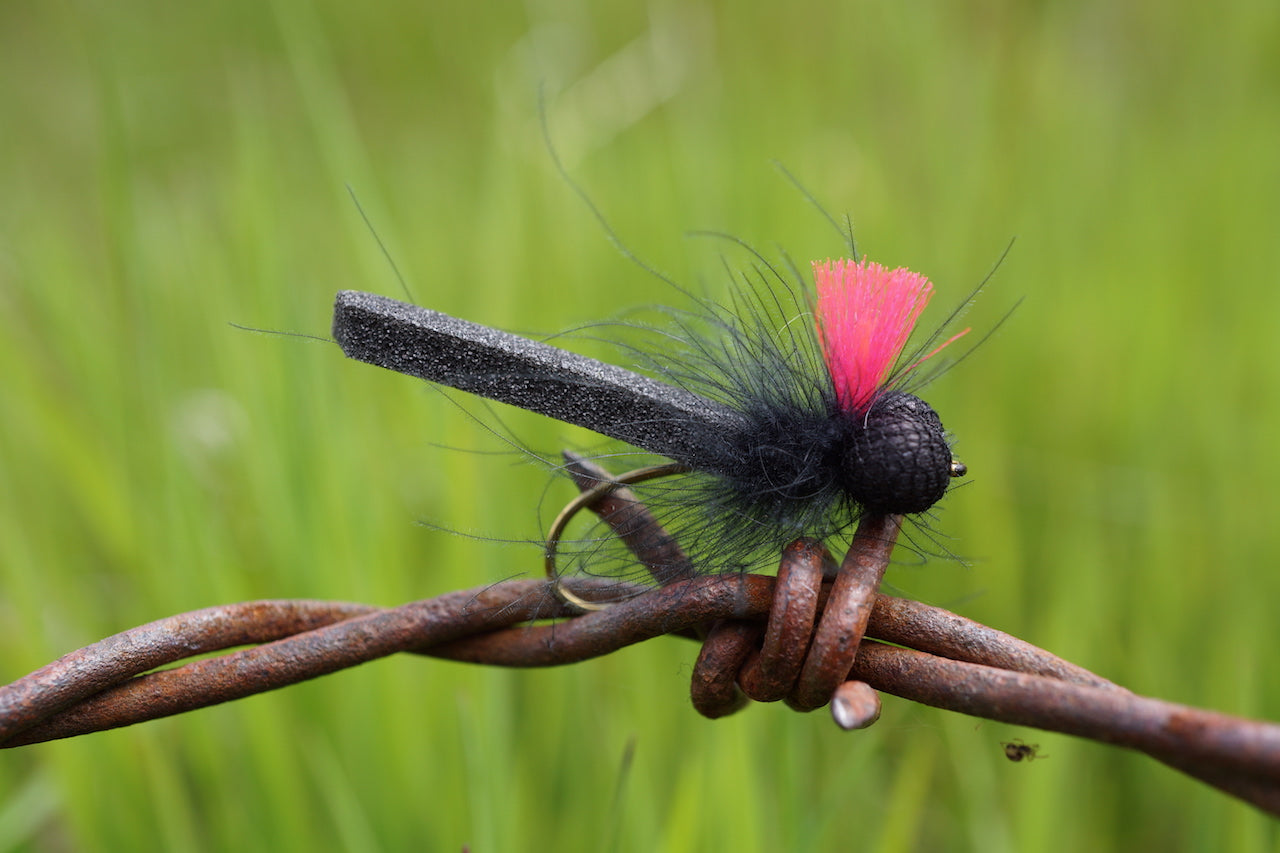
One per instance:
(768, 639)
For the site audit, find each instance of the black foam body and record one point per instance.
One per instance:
(500, 366)
(779, 460)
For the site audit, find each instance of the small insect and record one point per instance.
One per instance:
(1015, 750)
(786, 414)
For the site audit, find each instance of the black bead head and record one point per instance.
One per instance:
(896, 457)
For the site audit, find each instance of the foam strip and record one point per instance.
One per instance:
(643, 412)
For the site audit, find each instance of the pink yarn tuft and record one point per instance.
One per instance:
(865, 314)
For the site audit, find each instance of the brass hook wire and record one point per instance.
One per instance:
(585, 499)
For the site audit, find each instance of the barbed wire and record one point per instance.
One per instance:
(813, 636)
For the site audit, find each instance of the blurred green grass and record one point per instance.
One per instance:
(169, 170)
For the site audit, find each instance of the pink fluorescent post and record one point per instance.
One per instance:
(865, 314)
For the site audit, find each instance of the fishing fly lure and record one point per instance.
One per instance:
(786, 416)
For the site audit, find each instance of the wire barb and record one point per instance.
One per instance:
(760, 639)
(591, 496)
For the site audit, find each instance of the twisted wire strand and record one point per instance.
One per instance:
(760, 636)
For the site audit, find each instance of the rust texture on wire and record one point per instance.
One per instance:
(818, 634)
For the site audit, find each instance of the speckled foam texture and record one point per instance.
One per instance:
(501, 366)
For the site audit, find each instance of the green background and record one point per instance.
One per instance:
(169, 169)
